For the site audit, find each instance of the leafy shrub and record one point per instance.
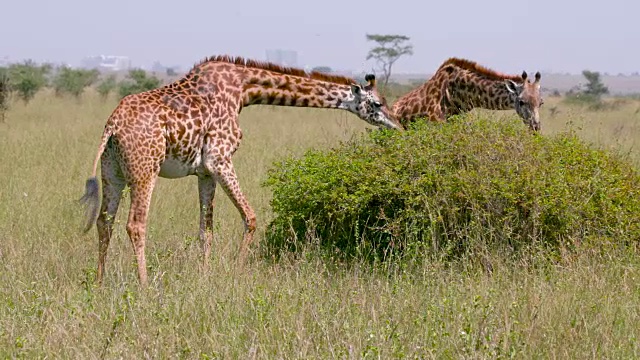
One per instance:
(590, 102)
(74, 81)
(452, 188)
(593, 103)
(4, 93)
(106, 86)
(137, 81)
(27, 78)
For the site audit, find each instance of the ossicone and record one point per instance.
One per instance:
(538, 76)
(370, 79)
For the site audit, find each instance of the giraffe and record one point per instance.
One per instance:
(460, 85)
(190, 127)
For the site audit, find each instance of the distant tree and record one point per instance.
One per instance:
(74, 81)
(171, 72)
(4, 93)
(590, 94)
(594, 86)
(389, 49)
(27, 78)
(157, 67)
(322, 69)
(417, 82)
(106, 86)
(137, 81)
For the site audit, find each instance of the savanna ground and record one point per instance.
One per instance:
(587, 305)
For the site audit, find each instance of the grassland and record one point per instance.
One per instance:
(585, 306)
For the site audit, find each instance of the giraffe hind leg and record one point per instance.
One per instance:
(206, 192)
(137, 223)
(112, 186)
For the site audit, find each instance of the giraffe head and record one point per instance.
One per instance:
(527, 99)
(370, 106)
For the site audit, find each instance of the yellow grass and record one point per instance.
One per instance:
(586, 307)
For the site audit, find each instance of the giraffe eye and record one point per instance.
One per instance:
(521, 102)
(377, 104)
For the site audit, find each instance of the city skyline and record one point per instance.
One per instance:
(155, 63)
(543, 35)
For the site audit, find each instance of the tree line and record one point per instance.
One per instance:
(25, 79)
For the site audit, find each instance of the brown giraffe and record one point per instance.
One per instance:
(460, 85)
(190, 127)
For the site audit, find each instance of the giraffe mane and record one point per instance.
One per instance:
(479, 69)
(237, 60)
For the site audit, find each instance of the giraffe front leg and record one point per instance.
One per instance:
(206, 191)
(226, 175)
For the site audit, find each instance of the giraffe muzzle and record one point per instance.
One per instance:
(535, 126)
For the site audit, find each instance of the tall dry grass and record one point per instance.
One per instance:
(586, 306)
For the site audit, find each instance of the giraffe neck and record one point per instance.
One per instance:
(424, 100)
(481, 93)
(287, 90)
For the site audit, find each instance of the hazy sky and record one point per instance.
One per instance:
(510, 36)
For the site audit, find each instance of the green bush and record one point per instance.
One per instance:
(106, 86)
(451, 188)
(27, 78)
(590, 94)
(74, 81)
(590, 102)
(137, 81)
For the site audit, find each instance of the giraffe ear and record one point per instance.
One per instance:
(356, 89)
(512, 86)
(537, 77)
(524, 76)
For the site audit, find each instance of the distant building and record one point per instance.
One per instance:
(157, 67)
(283, 57)
(106, 62)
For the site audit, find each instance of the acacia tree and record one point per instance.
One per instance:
(389, 49)
(594, 86)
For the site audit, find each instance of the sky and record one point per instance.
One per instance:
(559, 36)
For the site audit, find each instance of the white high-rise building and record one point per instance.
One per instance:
(107, 62)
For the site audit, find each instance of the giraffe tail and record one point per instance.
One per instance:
(91, 197)
(91, 200)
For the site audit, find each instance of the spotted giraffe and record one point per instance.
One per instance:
(460, 85)
(190, 127)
